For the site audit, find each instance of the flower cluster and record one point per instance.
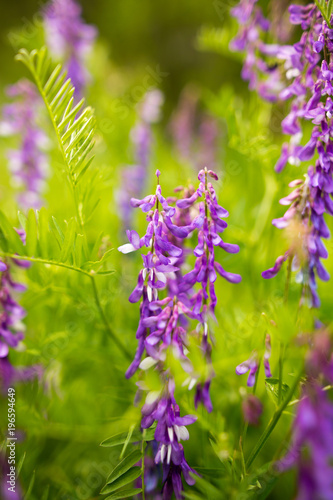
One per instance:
(261, 75)
(312, 442)
(69, 39)
(306, 227)
(163, 328)
(28, 164)
(307, 73)
(133, 177)
(11, 328)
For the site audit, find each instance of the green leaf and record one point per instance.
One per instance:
(58, 232)
(14, 243)
(325, 9)
(23, 220)
(121, 439)
(75, 141)
(124, 494)
(20, 464)
(46, 493)
(124, 465)
(31, 485)
(272, 387)
(68, 244)
(31, 231)
(43, 233)
(126, 478)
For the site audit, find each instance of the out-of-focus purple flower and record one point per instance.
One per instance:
(134, 177)
(252, 409)
(251, 365)
(311, 449)
(11, 330)
(261, 75)
(69, 39)
(195, 134)
(306, 226)
(28, 164)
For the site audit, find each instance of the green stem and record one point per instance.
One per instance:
(246, 425)
(111, 333)
(323, 13)
(274, 420)
(143, 469)
(38, 260)
(285, 300)
(94, 286)
(280, 371)
(287, 286)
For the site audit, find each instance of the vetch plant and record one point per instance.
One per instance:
(164, 322)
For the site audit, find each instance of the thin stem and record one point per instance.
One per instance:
(285, 300)
(274, 420)
(86, 273)
(246, 425)
(111, 333)
(288, 278)
(143, 469)
(45, 261)
(280, 371)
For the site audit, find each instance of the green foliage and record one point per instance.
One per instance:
(126, 478)
(326, 8)
(272, 386)
(73, 125)
(48, 243)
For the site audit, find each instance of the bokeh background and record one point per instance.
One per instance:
(84, 397)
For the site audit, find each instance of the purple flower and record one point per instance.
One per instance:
(312, 445)
(195, 134)
(11, 330)
(252, 409)
(251, 365)
(133, 177)
(163, 329)
(171, 429)
(305, 223)
(28, 164)
(69, 39)
(262, 76)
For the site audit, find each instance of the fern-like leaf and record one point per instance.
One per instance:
(49, 243)
(326, 9)
(73, 124)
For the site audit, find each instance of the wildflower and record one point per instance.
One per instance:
(12, 329)
(171, 429)
(251, 365)
(252, 409)
(195, 134)
(307, 227)
(69, 39)
(312, 444)
(261, 75)
(164, 322)
(28, 164)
